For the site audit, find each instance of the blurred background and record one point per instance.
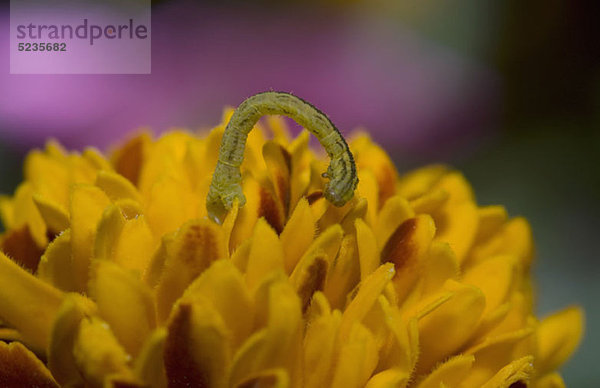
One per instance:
(506, 91)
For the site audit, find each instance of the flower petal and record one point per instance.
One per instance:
(19, 289)
(393, 213)
(558, 336)
(357, 358)
(224, 287)
(21, 368)
(150, 364)
(406, 248)
(517, 371)
(276, 346)
(266, 254)
(458, 317)
(390, 378)
(298, 234)
(61, 360)
(55, 217)
(196, 350)
(319, 349)
(86, 208)
(551, 380)
(368, 252)
(450, 374)
(124, 302)
(97, 352)
(196, 245)
(56, 266)
(367, 295)
(116, 186)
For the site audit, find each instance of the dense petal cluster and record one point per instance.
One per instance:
(112, 275)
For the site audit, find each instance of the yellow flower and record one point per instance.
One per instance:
(113, 275)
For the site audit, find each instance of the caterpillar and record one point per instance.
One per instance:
(226, 187)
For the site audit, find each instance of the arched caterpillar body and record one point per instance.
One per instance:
(226, 182)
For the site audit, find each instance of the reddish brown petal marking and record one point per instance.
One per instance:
(314, 196)
(400, 246)
(518, 384)
(198, 248)
(270, 211)
(287, 157)
(130, 158)
(267, 381)
(19, 246)
(19, 368)
(126, 384)
(179, 363)
(313, 281)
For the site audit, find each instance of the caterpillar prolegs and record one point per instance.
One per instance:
(226, 182)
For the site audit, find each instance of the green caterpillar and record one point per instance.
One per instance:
(226, 182)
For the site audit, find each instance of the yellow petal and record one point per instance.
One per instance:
(551, 380)
(124, 302)
(459, 317)
(558, 336)
(494, 352)
(26, 214)
(402, 350)
(393, 213)
(319, 349)
(368, 252)
(367, 295)
(129, 158)
(19, 245)
(417, 182)
(271, 378)
(517, 371)
(223, 286)
(278, 162)
(61, 360)
(21, 368)
(150, 364)
(430, 202)
(343, 273)
(27, 303)
(300, 173)
(451, 373)
(55, 217)
(297, 234)
(328, 241)
(390, 378)
(276, 346)
(116, 186)
(170, 204)
(86, 208)
(491, 219)
(56, 266)
(457, 226)
(368, 188)
(440, 265)
(196, 245)
(309, 276)
(196, 350)
(97, 352)
(357, 359)
(266, 254)
(495, 277)
(406, 248)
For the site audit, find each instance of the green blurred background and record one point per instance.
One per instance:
(540, 154)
